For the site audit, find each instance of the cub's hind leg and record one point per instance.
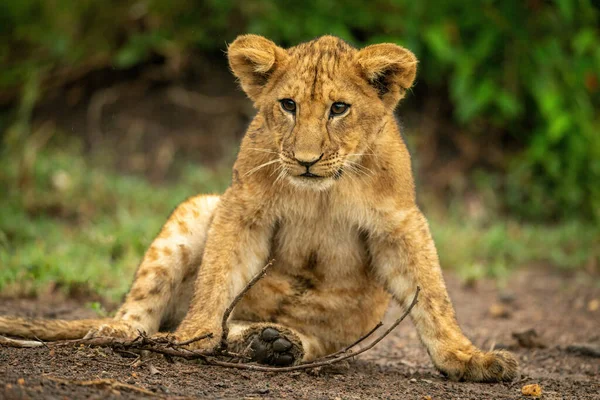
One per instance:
(164, 282)
(272, 344)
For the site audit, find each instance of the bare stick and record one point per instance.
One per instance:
(20, 343)
(140, 343)
(321, 361)
(144, 343)
(362, 338)
(586, 349)
(171, 348)
(193, 340)
(224, 328)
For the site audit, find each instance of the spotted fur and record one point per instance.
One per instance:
(344, 239)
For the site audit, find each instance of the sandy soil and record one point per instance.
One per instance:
(562, 309)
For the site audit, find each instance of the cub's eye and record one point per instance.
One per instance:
(339, 108)
(288, 105)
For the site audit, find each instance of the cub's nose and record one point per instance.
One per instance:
(307, 163)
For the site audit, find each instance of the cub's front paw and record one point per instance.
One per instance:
(478, 366)
(272, 347)
(116, 329)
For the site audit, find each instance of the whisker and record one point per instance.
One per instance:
(361, 154)
(355, 163)
(262, 150)
(353, 173)
(338, 174)
(357, 172)
(353, 176)
(358, 164)
(253, 170)
(360, 167)
(279, 168)
(372, 151)
(282, 174)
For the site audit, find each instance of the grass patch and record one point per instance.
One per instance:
(477, 240)
(494, 249)
(75, 223)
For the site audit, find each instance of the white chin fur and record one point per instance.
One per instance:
(317, 185)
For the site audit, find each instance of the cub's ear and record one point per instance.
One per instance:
(253, 59)
(389, 68)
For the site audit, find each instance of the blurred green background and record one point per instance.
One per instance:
(112, 112)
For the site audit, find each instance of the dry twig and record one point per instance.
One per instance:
(327, 360)
(364, 337)
(20, 343)
(171, 348)
(586, 349)
(143, 342)
(225, 328)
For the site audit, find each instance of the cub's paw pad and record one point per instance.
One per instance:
(269, 334)
(272, 348)
(281, 345)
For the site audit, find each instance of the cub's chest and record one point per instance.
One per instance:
(325, 247)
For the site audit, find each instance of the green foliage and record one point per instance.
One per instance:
(526, 72)
(97, 308)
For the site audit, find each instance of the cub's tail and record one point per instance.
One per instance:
(48, 329)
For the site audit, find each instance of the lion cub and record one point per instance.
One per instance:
(323, 185)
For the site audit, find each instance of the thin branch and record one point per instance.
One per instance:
(41, 341)
(586, 349)
(321, 361)
(224, 327)
(214, 357)
(192, 340)
(141, 342)
(363, 338)
(20, 343)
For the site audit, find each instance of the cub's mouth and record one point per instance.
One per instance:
(315, 181)
(310, 175)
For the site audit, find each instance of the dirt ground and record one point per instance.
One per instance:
(562, 309)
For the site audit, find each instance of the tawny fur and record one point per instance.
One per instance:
(342, 243)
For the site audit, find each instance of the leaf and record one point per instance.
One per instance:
(437, 40)
(533, 390)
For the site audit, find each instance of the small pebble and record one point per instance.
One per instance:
(498, 310)
(506, 297)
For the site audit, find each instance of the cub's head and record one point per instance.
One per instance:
(324, 102)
